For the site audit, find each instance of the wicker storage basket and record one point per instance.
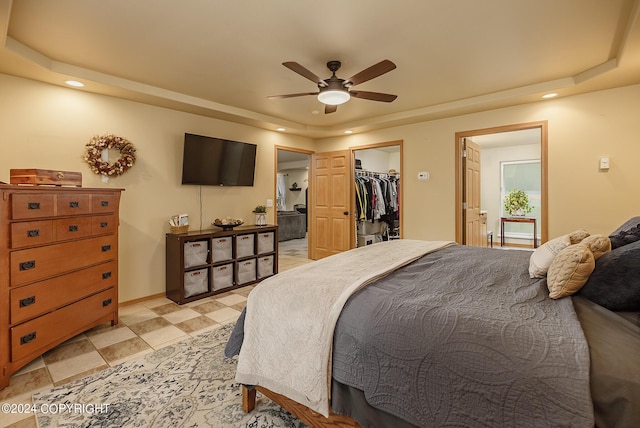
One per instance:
(179, 229)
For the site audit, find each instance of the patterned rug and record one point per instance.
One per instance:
(189, 384)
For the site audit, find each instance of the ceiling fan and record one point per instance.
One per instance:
(335, 91)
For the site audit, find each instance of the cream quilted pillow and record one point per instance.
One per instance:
(570, 270)
(542, 257)
(598, 244)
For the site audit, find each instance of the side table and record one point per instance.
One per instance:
(504, 220)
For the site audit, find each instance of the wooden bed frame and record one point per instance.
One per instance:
(305, 414)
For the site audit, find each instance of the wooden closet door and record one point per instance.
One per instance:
(331, 219)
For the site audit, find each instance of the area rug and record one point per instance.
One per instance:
(188, 384)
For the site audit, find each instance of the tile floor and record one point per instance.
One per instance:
(143, 328)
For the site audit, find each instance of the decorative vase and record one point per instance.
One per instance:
(261, 219)
(518, 213)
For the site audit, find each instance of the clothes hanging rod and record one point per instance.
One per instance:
(374, 173)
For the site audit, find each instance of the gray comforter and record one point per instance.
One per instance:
(463, 337)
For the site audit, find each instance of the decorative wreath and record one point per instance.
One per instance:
(93, 155)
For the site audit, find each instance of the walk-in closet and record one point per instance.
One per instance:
(378, 194)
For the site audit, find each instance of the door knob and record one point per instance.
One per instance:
(346, 213)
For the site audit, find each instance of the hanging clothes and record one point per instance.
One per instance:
(377, 197)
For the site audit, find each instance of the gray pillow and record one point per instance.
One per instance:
(615, 281)
(626, 234)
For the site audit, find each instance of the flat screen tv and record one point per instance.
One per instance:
(217, 162)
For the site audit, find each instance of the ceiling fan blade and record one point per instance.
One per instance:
(294, 66)
(301, 94)
(373, 96)
(329, 108)
(376, 70)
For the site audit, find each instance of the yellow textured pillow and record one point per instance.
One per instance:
(598, 244)
(578, 236)
(569, 270)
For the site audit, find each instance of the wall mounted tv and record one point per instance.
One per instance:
(217, 162)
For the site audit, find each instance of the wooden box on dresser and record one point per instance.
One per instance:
(203, 263)
(58, 268)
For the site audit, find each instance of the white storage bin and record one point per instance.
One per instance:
(222, 276)
(369, 228)
(195, 253)
(244, 245)
(221, 249)
(246, 271)
(265, 266)
(364, 240)
(196, 282)
(265, 242)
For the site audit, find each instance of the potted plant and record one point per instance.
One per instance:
(261, 215)
(516, 203)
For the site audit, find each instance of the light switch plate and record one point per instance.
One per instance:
(604, 163)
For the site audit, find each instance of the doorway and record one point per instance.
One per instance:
(378, 165)
(333, 209)
(292, 200)
(528, 138)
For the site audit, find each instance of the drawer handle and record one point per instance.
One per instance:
(106, 248)
(27, 301)
(34, 205)
(106, 303)
(27, 338)
(104, 224)
(28, 265)
(73, 228)
(106, 275)
(104, 203)
(74, 204)
(33, 233)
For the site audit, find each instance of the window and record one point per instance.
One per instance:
(524, 175)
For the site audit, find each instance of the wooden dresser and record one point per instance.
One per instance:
(58, 268)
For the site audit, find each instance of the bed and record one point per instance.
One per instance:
(438, 334)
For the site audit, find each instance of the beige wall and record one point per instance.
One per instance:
(46, 126)
(581, 130)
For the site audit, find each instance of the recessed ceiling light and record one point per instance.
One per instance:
(348, 131)
(281, 129)
(551, 95)
(74, 83)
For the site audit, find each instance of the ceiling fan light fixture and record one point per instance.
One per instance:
(334, 97)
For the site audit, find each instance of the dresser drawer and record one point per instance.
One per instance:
(73, 204)
(101, 224)
(35, 205)
(35, 335)
(35, 264)
(31, 233)
(72, 228)
(104, 203)
(41, 297)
